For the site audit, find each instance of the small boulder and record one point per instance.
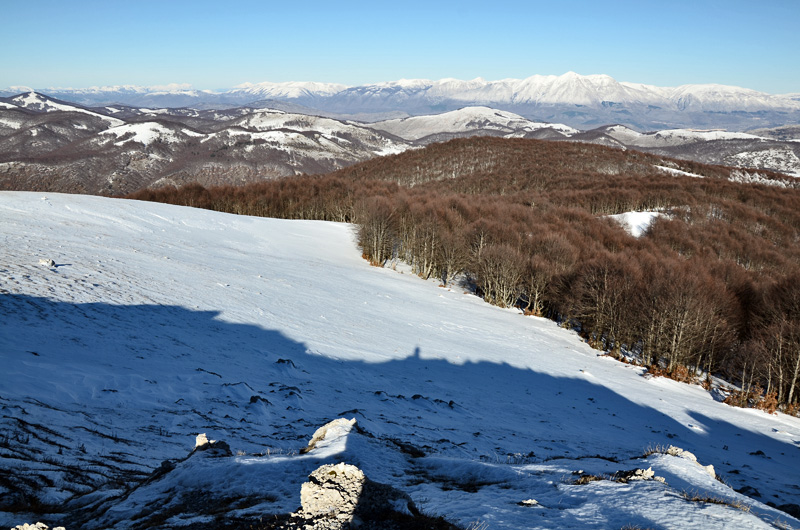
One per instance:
(201, 440)
(211, 447)
(336, 428)
(750, 491)
(791, 509)
(637, 474)
(47, 262)
(342, 492)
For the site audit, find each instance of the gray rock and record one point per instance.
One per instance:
(344, 493)
(637, 474)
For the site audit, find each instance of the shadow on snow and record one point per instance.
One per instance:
(96, 394)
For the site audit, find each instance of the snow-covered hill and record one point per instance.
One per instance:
(158, 323)
(40, 103)
(775, 151)
(470, 121)
(48, 145)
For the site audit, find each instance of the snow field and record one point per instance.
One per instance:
(158, 323)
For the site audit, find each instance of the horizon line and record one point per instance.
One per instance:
(173, 87)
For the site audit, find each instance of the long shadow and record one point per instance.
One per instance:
(97, 395)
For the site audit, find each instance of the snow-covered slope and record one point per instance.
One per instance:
(38, 102)
(776, 150)
(287, 90)
(467, 121)
(334, 131)
(158, 323)
(676, 137)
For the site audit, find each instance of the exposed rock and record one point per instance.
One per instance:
(750, 491)
(201, 440)
(791, 509)
(47, 263)
(211, 447)
(677, 451)
(637, 474)
(681, 453)
(342, 492)
(340, 425)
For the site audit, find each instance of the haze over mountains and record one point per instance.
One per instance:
(576, 100)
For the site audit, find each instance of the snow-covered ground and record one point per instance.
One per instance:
(159, 322)
(144, 133)
(467, 120)
(636, 223)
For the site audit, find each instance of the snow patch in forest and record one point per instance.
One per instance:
(637, 223)
(143, 133)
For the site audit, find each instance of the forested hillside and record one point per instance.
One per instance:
(712, 287)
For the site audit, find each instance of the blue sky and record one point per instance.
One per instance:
(211, 44)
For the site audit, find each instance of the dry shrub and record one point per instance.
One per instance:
(680, 373)
(754, 398)
(768, 402)
(737, 398)
(707, 499)
(792, 409)
(586, 479)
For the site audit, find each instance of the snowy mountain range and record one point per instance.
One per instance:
(53, 145)
(48, 144)
(581, 101)
(155, 323)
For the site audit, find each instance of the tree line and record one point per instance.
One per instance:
(713, 287)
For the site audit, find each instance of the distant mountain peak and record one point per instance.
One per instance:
(582, 101)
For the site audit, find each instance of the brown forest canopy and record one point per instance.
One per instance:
(714, 285)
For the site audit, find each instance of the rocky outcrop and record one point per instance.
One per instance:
(681, 453)
(637, 474)
(211, 447)
(344, 492)
(341, 497)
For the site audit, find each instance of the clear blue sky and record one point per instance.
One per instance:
(213, 44)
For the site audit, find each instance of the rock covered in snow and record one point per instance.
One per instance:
(334, 429)
(201, 440)
(677, 451)
(47, 262)
(342, 492)
(212, 447)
